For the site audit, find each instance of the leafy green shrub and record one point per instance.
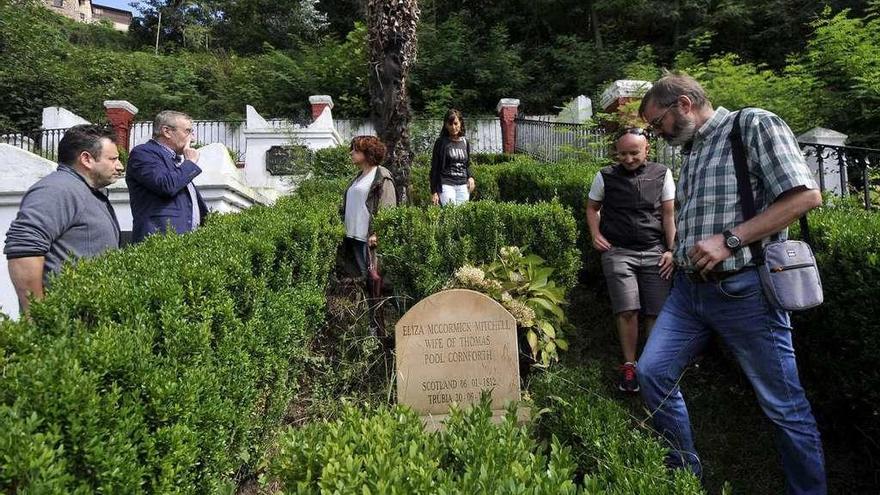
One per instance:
(614, 456)
(420, 248)
(333, 163)
(733, 83)
(169, 365)
(522, 284)
(843, 334)
(491, 158)
(388, 451)
(323, 190)
(486, 177)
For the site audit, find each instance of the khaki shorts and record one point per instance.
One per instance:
(634, 281)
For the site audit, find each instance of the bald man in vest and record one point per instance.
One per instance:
(630, 212)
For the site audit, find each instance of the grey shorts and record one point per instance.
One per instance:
(634, 281)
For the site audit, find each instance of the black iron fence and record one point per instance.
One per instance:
(843, 170)
(227, 132)
(846, 170)
(42, 142)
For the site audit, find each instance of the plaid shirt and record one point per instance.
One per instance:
(708, 200)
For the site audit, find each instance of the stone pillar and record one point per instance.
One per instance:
(120, 114)
(507, 110)
(319, 103)
(828, 167)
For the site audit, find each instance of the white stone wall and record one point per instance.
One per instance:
(19, 169)
(260, 135)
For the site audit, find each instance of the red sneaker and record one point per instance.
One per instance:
(628, 381)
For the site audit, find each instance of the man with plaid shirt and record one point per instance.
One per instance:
(717, 288)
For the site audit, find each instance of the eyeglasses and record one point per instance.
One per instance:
(657, 122)
(186, 132)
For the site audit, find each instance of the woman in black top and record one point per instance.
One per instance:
(451, 179)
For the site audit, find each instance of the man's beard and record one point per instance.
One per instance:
(682, 132)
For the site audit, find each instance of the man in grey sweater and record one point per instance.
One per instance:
(65, 215)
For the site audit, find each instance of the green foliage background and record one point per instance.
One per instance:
(812, 62)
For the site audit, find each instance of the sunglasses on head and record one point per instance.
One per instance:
(637, 131)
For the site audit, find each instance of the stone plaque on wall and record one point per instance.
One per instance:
(288, 160)
(451, 347)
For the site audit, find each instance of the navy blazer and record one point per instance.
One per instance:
(158, 193)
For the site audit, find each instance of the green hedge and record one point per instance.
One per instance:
(615, 456)
(837, 343)
(420, 248)
(523, 180)
(389, 452)
(165, 367)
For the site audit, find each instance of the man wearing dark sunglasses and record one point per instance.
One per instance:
(717, 289)
(631, 219)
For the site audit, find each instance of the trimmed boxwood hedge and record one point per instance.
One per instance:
(420, 248)
(168, 366)
(523, 180)
(837, 343)
(165, 367)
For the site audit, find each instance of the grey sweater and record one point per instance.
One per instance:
(61, 217)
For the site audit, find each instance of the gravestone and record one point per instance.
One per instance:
(453, 346)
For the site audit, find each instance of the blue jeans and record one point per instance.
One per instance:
(760, 338)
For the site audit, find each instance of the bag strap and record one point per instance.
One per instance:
(744, 187)
(743, 183)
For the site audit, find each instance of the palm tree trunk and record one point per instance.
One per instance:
(392, 40)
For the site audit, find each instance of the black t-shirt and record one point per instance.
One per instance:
(455, 173)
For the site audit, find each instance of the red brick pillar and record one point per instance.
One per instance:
(121, 114)
(507, 110)
(615, 99)
(319, 103)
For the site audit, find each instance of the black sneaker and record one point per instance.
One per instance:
(628, 381)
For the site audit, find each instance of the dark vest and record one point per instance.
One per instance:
(631, 209)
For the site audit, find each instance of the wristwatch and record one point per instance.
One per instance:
(732, 241)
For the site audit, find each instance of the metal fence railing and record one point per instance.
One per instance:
(843, 170)
(42, 142)
(554, 142)
(846, 170)
(227, 132)
(483, 133)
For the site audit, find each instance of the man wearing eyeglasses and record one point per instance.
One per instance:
(160, 177)
(717, 289)
(630, 214)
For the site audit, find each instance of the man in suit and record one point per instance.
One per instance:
(159, 177)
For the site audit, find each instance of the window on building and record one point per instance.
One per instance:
(58, 3)
(82, 17)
